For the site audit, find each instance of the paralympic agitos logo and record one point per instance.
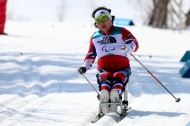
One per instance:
(104, 48)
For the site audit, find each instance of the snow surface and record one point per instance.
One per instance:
(39, 84)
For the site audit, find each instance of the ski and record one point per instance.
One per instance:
(98, 117)
(121, 117)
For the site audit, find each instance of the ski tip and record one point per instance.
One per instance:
(98, 117)
(123, 116)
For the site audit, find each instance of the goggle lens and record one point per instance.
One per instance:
(102, 18)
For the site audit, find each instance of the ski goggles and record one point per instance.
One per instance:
(102, 18)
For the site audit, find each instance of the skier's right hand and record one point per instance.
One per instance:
(82, 70)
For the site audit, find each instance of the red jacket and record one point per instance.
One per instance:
(107, 47)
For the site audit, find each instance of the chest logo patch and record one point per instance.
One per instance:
(107, 40)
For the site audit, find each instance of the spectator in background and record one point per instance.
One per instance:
(2, 16)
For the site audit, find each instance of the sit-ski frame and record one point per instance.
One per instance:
(123, 104)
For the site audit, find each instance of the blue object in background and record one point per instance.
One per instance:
(188, 124)
(185, 57)
(123, 22)
(185, 70)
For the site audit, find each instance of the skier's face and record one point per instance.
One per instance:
(105, 25)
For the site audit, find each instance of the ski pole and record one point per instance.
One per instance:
(176, 99)
(92, 86)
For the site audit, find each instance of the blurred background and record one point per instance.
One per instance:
(164, 14)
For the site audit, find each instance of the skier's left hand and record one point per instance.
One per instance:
(128, 49)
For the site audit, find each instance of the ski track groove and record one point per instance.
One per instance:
(108, 120)
(14, 103)
(148, 104)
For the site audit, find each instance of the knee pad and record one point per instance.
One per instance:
(105, 76)
(119, 75)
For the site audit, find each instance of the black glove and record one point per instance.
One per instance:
(82, 70)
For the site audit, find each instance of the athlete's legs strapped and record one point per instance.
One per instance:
(105, 82)
(113, 82)
(116, 80)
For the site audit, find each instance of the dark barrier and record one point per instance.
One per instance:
(185, 57)
(185, 70)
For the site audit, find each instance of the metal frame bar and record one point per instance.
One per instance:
(119, 103)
